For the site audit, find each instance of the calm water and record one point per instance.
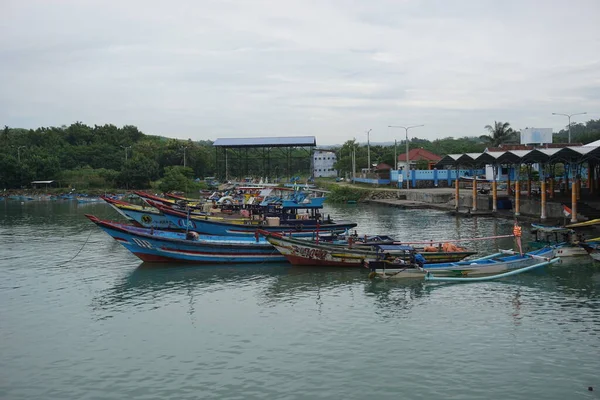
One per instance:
(104, 326)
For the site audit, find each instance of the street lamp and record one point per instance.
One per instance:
(126, 148)
(369, 151)
(406, 128)
(569, 116)
(184, 158)
(19, 152)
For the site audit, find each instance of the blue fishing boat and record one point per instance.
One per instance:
(147, 217)
(300, 227)
(152, 245)
(496, 263)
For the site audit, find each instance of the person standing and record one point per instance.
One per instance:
(517, 232)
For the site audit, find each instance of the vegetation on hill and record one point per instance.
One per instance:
(106, 156)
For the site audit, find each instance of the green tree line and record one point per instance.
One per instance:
(103, 156)
(106, 156)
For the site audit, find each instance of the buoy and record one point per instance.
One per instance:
(591, 389)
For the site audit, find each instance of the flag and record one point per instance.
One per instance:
(566, 211)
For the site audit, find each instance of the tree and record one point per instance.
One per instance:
(138, 171)
(177, 178)
(500, 133)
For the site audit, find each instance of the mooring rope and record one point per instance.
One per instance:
(453, 240)
(84, 243)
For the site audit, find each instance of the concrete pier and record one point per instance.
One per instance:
(444, 199)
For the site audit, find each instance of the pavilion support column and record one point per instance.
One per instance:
(574, 197)
(494, 189)
(517, 195)
(456, 191)
(474, 192)
(596, 178)
(590, 178)
(508, 188)
(529, 181)
(543, 196)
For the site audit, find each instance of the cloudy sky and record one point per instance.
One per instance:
(205, 69)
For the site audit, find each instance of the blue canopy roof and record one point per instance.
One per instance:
(267, 141)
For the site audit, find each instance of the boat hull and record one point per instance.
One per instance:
(221, 228)
(489, 265)
(165, 246)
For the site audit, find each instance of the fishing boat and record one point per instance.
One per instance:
(591, 248)
(85, 199)
(152, 245)
(169, 202)
(429, 276)
(300, 227)
(151, 217)
(299, 251)
(497, 263)
(146, 217)
(564, 240)
(433, 252)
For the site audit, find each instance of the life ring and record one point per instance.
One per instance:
(225, 200)
(298, 227)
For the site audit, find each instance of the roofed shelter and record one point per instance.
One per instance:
(547, 157)
(43, 184)
(270, 157)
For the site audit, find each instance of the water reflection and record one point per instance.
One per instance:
(156, 280)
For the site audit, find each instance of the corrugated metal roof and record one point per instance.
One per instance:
(266, 141)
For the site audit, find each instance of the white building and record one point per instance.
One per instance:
(323, 161)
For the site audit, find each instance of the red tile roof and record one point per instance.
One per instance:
(419, 154)
(383, 167)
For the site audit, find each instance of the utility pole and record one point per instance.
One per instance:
(184, 155)
(369, 150)
(569, 116)
(126, 148)
(19, 153)
(406, 128)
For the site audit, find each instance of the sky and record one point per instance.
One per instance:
(332, 69)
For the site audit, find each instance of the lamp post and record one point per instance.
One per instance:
(184, 158)
(406, 128)
(369, 150)
(126, 148)
(569, 116)
(19, 153)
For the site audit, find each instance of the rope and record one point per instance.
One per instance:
(84, 243)
(455, 240)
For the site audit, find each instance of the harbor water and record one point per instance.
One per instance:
(82, 318)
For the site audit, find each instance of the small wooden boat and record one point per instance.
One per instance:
(429, 276)
(591, 248)
(433, 252)
(564, 240)
(302, 252)
(497, 263)
(85, 199)
(152, 245)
